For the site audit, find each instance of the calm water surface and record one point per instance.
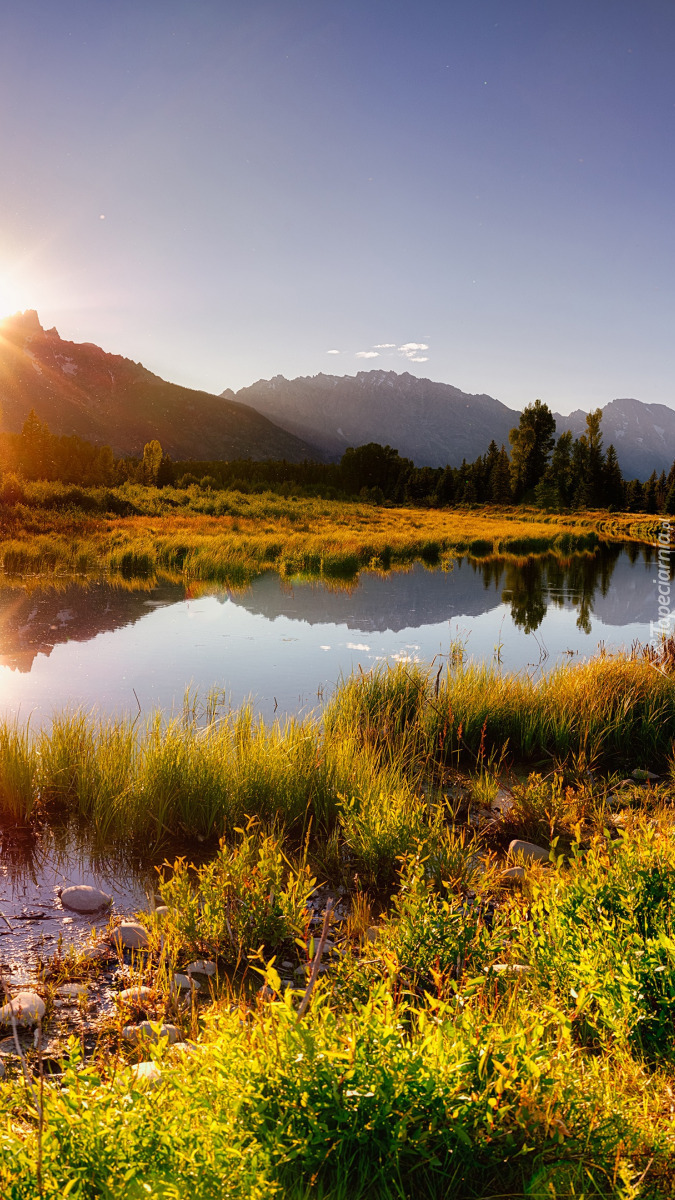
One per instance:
(286, 645)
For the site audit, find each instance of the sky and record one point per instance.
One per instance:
(476, 191)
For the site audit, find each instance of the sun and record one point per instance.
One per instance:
(13, 295)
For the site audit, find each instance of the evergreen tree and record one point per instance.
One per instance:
(650, 493)
(531, 444)
(635, 496)
(500, 479)
(613, 485)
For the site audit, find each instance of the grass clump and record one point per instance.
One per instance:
(249, 899)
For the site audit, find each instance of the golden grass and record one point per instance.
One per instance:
(329, 539)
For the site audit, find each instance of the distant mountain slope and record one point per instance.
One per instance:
(435, 423)
(79, 388)
(432, 423)
(643, 434)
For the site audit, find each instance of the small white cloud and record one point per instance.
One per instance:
(417, 358)
(385, 346)
(332, 351)
(357, 646)
(411, 348)
(367, 354)
(324, 647)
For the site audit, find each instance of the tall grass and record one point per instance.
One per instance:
(358, 772)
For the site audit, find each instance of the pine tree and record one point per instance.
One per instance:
(531, 444)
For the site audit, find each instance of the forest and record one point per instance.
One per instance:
(563, 474)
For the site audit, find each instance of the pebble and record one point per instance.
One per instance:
(147, 1071)
(184, 983)
(135, 994)
(151, 1031)
(509, 968)
(644, 776)
(203, 967)
(511, 874)
(26, 1007)
(130, 935)
(84, 899)
(528, 850)
(74, 990)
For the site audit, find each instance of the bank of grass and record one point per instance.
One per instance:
(479, 1042)
(471, 1036)
(384, 739)
(169, 535)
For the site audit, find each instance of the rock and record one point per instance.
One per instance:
(508, 968)
(372, 933)
(2, 1069)
(162, 911)
(528, 850)
(644, 776)
(151, 1031)
(503, 801)
(26, 1007)
(184, 983)
(511, 874)
(130, 935)
(73, 990)
(85, 899)
(287, 965)
(149, 1072)
(203, 967)
(136, 994)
(183, 1047)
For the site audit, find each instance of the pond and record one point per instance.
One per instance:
(285, 644)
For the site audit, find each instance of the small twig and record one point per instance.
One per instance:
(317, 962)
(10, 927)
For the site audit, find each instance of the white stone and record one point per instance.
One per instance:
(162, 911)
(26, 1007)
(73, 990)
(130, 935)
(151, 1031)
(138, 993)
(84, 899)
(147, 1072)
(513, 873)
(528, 850)
(509, 968)
(202, 967)
(184, 983)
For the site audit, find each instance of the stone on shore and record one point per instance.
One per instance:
(151, 1031)
(130, 935)
(513, 874)
(528, 850)
(147, 1072)
(183, 983)
(202, 967)
(27, 1008)
(135, 994)
(84, 899)
(72, 991)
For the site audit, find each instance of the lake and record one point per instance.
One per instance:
(285, 644)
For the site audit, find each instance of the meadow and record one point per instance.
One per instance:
(51, 530)
(475, 1031)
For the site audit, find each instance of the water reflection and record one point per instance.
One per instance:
(286, 642)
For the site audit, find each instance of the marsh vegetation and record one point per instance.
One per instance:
(475, 1031)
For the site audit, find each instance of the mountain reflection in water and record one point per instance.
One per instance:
(285, 642)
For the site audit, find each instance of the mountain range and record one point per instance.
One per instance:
(78, 388)
(435, 423)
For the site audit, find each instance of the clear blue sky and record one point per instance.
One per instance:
(230, 189)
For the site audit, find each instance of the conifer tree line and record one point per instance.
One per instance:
(556, 474)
